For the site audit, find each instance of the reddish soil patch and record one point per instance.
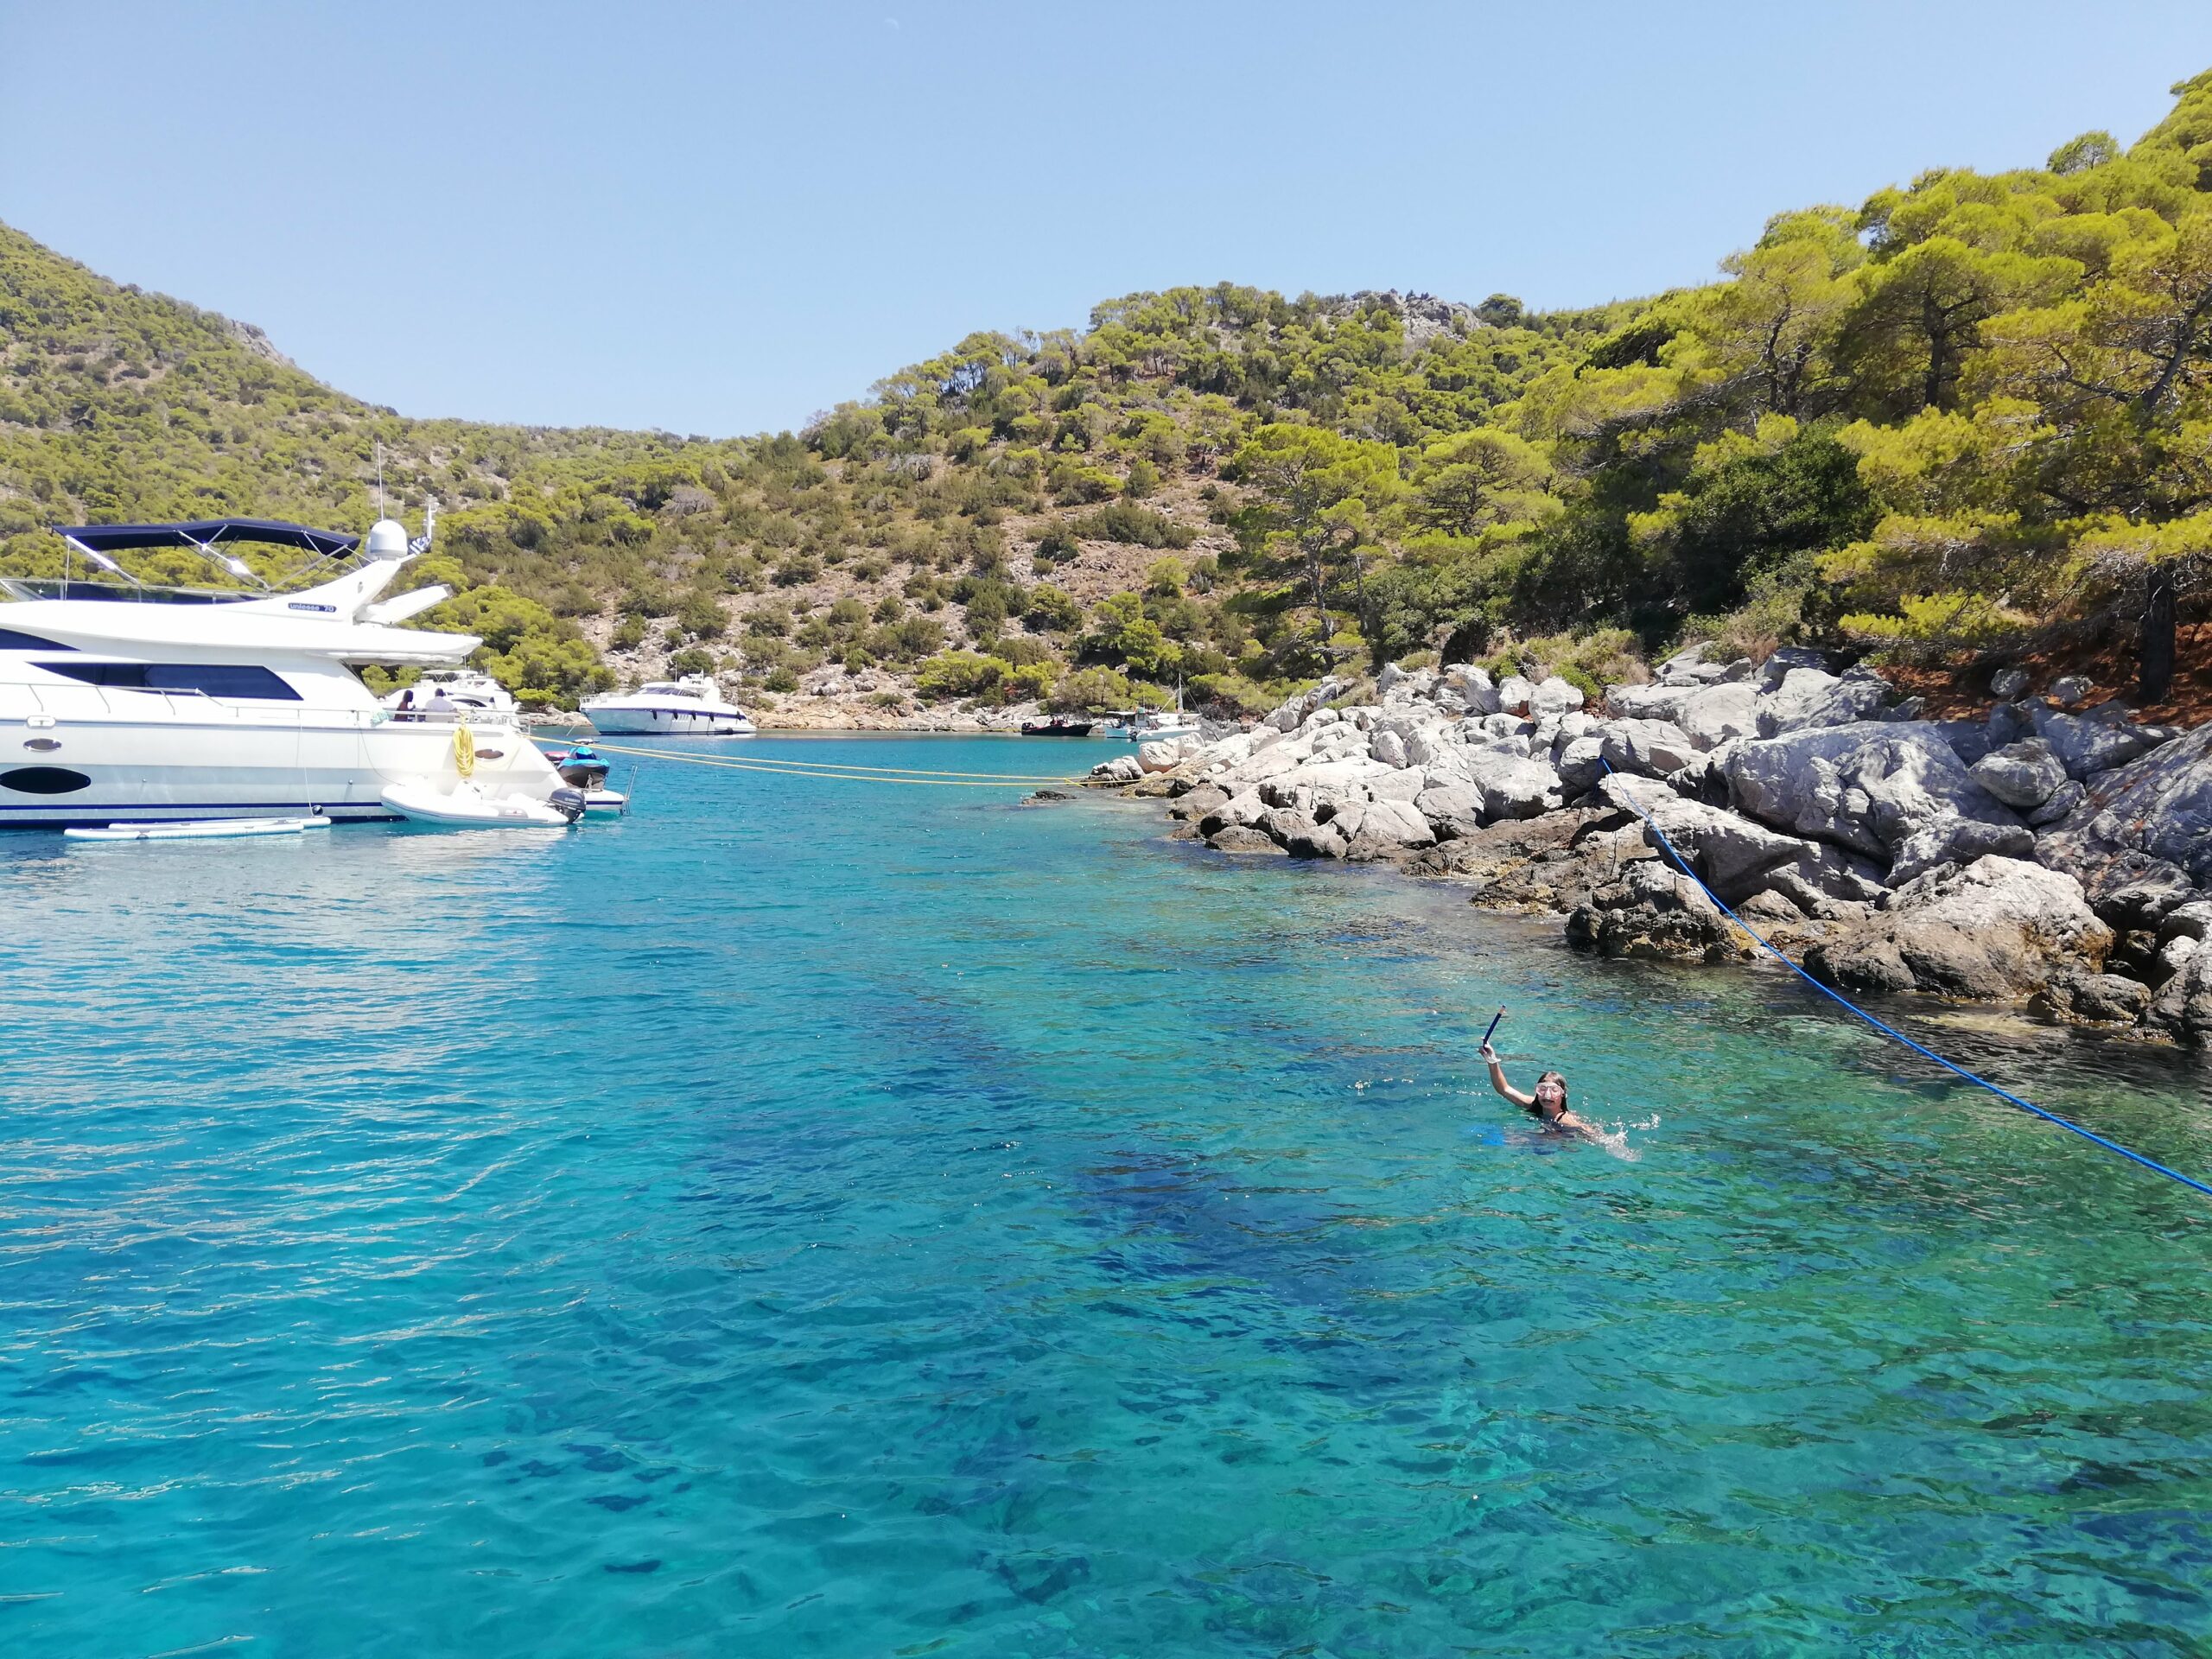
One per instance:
(1964, 691)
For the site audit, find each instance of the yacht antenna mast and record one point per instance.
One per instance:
(379, 479)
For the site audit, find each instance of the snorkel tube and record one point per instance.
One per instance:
(1493, 1019)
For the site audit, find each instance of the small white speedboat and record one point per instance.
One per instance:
(606, 800)
(196, 829)
(467, 806)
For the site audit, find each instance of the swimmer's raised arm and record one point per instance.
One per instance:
(1497, 1078)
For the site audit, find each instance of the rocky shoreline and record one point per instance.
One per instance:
(2056, 854)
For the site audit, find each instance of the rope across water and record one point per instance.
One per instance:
(1833, 995)
(835, 771)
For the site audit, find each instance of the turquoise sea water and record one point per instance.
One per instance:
(826, 1218)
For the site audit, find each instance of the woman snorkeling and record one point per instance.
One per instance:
(1548, 1102)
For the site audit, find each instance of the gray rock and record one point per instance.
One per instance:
(2072, 688)
(1865, 962)
(1777, 667)
(1579, 763)
(1512, 787)
(1388, 827)
(1969, 739)
(2008, 683)
(2068, 796)
(1806, 698)
(2191, 920)
(1514, 692)
(2010, 722)
(1730, 854)
(1651, 747)
(1472, 686)
(1194, 804)
(2087, 743)
(2093, 999)
(1237, 838)
(2173, 954)
(1719, 714)
(2021, 775)
(1742, 669)
(1401, 786)
(1452, 810)
(2137, 890)
(2160, 804)
(1301, 836)
(1689, 656)
(1890, 790)
(1389, 748)
(1240, 811)
(1554, 696)
(1648, 701)
(1825, 880)
(2182, 1006)
(1993, 894)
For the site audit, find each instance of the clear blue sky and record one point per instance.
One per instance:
(718, 218)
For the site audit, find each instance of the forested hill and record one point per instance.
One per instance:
(1970, 417)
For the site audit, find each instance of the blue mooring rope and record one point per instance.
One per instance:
(1834, 996)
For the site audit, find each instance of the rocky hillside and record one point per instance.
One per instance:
(1958, 427)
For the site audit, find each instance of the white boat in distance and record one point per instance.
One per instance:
(467, 689)
(122, 703)
(690, 707)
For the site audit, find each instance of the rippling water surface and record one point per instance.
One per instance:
(818, 1217)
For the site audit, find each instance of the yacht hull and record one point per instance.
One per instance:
(59, 772)
(667, 723)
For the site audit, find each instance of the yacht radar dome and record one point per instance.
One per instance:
(387, 539)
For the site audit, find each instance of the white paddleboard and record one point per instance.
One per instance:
(198, 829)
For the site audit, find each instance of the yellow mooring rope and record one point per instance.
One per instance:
(838, 772)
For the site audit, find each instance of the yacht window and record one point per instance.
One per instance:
(244, 681)
(11, 640)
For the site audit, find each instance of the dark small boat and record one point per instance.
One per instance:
(1056, 727)
(581, 767)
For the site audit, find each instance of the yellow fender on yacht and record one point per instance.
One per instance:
(464, 752)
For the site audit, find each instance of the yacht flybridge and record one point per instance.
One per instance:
(124, 703)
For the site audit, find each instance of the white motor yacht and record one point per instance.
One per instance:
(690, 707)
(122, 703)
(469, 689)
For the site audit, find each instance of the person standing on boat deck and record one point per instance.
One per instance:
(406, 710)
(1548, 1102)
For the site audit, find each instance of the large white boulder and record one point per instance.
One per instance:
(2160, 804)
(1472, 688)
(1512, 786)
(1894, 791)
(1554, 696)
(1652, 747)
(1996, 928)
(1648, 701)
(1580, 763)
(2097, 742)
(2021, 775)
(1719, 714)
(1387, 826)
(1812, 697)
(1452, 809)
(1731, 852)
(1514, 692)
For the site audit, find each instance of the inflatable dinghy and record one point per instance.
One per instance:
(468, 807)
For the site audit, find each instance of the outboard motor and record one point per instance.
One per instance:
(568, 803)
